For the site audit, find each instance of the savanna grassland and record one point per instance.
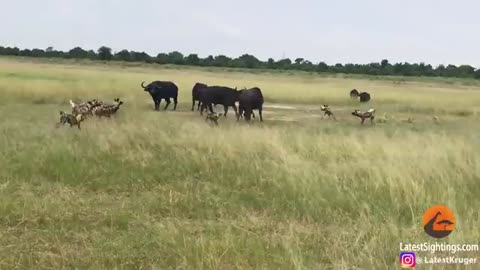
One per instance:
(166, 190)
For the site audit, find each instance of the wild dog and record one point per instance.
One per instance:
(213, 117)
(384, 119)
(106, 109)
(327, 111)
(70, 119)
(370, 114)
(85, 108)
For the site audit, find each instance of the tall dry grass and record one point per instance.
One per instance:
(164, 190)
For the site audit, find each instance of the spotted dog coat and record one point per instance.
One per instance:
(70, 119)
(85, 108)
(213, 117)
(106, 109)
(327, 111)
(370, 114)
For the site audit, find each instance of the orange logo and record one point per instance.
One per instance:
(438, 221)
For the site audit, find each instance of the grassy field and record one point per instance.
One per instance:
(165, 190)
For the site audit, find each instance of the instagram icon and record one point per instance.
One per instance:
(408, 260)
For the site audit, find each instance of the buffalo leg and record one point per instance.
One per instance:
(199, 104)
(175, 102)
(193, 103)
(260, 113)
(226, 110)
(203, 107)
(236, 111)
(210, 107)
(168, 103)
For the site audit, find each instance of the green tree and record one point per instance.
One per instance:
(270, 63)
(38, 53)
(222, 61)
(248, 61)
(162, 58)
(92, 54)
(25, 52)
(192, 60)
(440, 70)
(123, 55)
(299, 61)
(12, 51)
(208, 61)
(477, 74)
(384, 63)
(306, 66)
(105, 53)
(140, 56)
(284, 63)
(451, 71)
(322, 67)
(465, 71)
(77, 53)
(175, 58)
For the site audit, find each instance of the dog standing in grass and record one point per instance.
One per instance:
(213, 117)
(106, 109)
(85, 108)
(328, 111)
(370, 114)
(72, 120)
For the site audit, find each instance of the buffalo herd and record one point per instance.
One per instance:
(208, 96)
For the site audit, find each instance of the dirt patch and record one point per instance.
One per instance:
(280, 106)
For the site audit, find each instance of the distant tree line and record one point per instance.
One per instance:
(251, 62)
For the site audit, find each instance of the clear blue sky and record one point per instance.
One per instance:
(343, 31)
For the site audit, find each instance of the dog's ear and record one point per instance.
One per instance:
(61, 112)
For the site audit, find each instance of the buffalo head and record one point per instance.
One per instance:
(247, 115)
(149, 88)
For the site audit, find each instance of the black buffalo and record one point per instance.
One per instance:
(364, 97)
(196, 94)
(354, 93)
(162, 90)
(249, 100)
(213, 95)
